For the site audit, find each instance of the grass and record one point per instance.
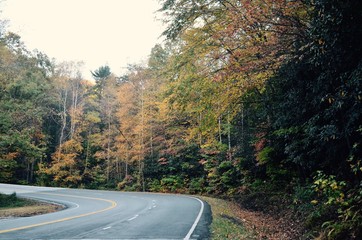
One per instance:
(12, 206)
(226, 223)
(11, 201)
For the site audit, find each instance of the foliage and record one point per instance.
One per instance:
(100, 75)
(8, 201)
(330, 188)
(256, 100)
(24, 102)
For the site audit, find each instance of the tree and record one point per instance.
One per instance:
(107, 89)
(101, 75)
(24, 101)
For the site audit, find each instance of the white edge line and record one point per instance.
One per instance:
(62, 202)
(133, 218)
(197, 219)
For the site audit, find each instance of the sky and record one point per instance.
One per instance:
(97, 32)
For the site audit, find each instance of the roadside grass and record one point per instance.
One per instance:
(11, 201)
(12, 206)
(226, 224)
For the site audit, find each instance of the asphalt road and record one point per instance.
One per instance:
(92, 214)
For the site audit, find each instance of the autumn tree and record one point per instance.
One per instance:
(107, 90)
(24, 101)
(66, 165)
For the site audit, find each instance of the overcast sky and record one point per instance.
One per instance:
(98, 32)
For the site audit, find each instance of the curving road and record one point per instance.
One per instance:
(92, 214)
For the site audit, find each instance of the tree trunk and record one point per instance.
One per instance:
(63, 117)
(219, 123)
(229, 133)
(75, 90)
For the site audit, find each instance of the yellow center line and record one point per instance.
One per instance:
(113, 205)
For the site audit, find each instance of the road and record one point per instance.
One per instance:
(92, 214)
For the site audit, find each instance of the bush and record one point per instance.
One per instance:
(172, 184)
(126, 183)
(336, 213)
(155, 186)
(7, 201)
(196, 185)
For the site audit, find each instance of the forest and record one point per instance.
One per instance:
(256, 101)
